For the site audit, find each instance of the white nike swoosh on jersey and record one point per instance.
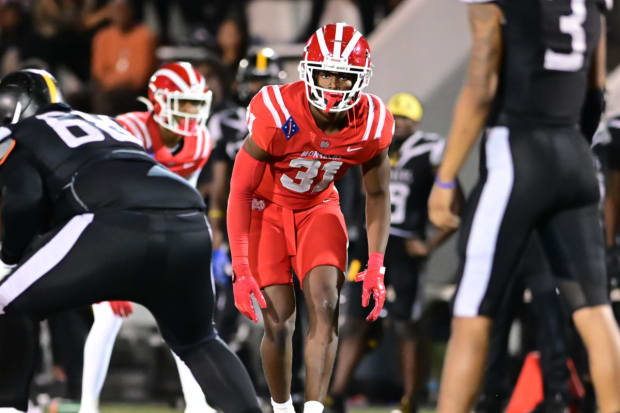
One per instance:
(349, 149)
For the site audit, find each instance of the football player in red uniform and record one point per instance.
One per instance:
(283, 211)
(173, 131)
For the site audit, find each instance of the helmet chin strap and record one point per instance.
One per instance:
(331, 98)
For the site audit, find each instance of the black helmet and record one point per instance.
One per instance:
(22, 93)
(259, 68)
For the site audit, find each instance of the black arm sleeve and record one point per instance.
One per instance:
(23, 206)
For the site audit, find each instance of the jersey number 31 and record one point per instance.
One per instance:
(309, 170)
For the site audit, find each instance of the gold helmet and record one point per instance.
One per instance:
(407, 105)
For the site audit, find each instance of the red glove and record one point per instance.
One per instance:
(121, 308)
(373, 283)
(244, 285)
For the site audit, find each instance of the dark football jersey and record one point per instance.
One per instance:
(60, 163)
(228, 128)
(412, 175)
(547, 50)
(606, 150)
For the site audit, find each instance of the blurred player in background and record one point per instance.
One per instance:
(609, 156)
(283, 212)
(532, 66)
(414, 156)
(173, 132)
(88, 216)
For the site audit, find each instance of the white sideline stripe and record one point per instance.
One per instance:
(381, 119)
(347, 51)
(321, 38)
(338, 40)
(487, 221)
(278, 95)
(269, 105)
(43, 260)
(176, 79)
(371, 116)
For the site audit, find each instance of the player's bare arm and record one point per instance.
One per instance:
(443, 234)
(219, 195)
(254, 150)
(376, 177)
(472, 107)
(599, 59)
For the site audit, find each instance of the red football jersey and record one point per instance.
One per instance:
(187, 163)
(307, 161)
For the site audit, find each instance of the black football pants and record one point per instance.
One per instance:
(160, 259)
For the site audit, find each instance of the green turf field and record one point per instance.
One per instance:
(118, 408)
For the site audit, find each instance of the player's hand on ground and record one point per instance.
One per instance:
(121, 308)
(244, 285)
(415, 247)
(440, 208)
(373, 284)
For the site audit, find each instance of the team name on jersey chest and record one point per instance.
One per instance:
(318, 155)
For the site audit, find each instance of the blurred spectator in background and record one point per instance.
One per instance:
(62, 35)
(14, 34)
(232, 42)
(212, 68)
(123, 58)
(201, 19)
(369, 10)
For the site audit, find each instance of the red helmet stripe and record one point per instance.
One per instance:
(269, 104)
(175, 78)
(347, 51)
(371, 116)
(321, 38)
